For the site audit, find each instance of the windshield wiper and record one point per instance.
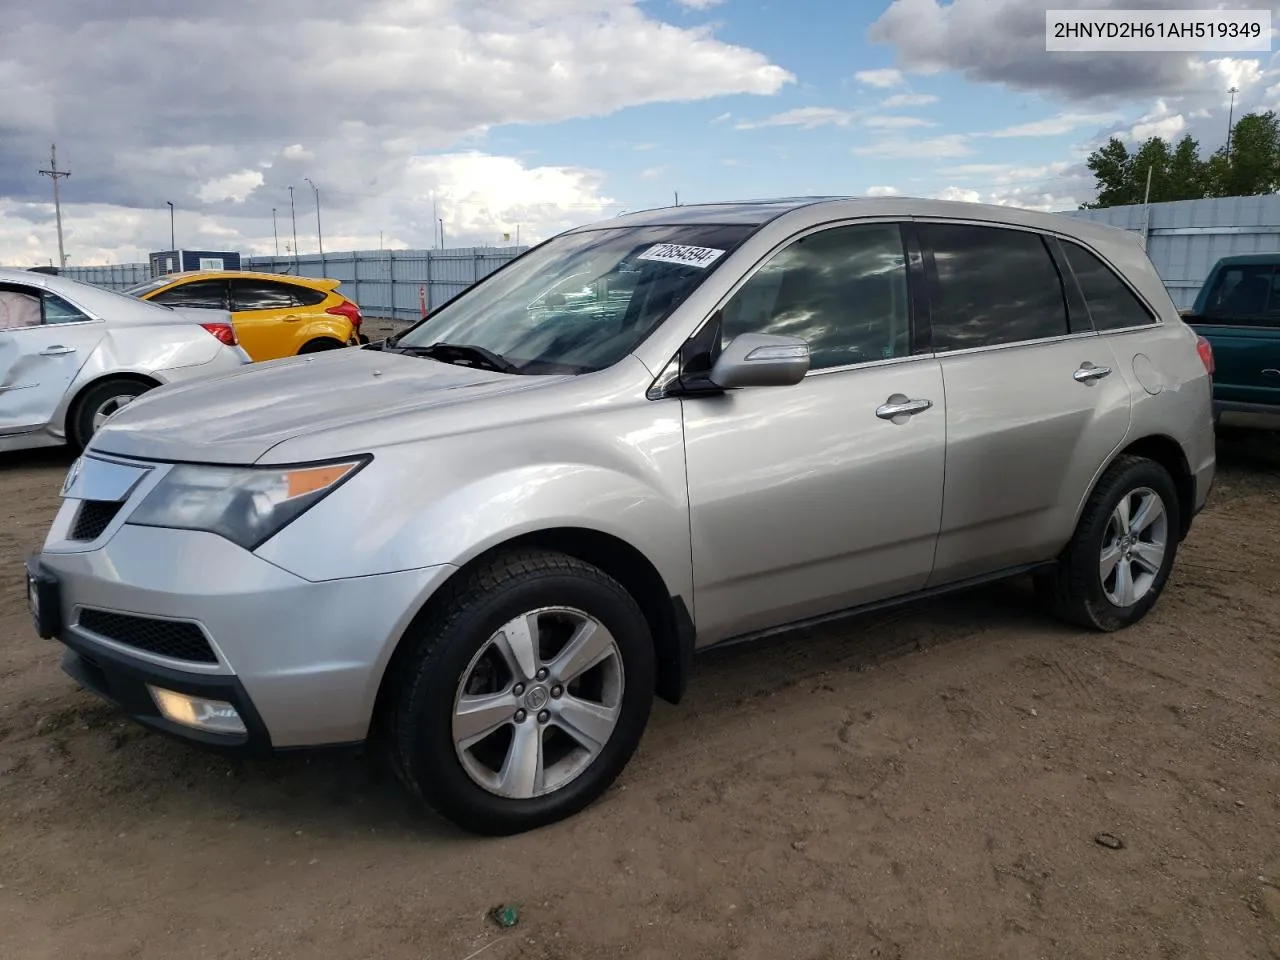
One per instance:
(461, 353)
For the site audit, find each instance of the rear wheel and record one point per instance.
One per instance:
(97, 404)
(319, 344)
(1118, 562)
(525, 695)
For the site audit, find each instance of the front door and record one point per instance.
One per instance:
(43, 344)
(804, 500)
(1034, 407)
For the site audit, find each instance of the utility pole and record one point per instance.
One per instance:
(1231, 115)
(293, 212)
(274, 231)
(55, 175)
(677, 198)
(319, 236)
(1146, 208)
(435, 213)
(441, 233)
(173, 244)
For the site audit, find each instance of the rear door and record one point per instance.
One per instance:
(43, 345)
(1035, 399)
(271, 317)
(808, 499)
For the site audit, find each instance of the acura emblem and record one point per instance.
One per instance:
(72, 475)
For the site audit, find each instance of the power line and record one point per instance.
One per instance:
(54, 174)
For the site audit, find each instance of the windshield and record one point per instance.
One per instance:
(139, 289)
(581, 301)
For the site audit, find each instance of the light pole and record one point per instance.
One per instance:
(173, 244)
(319, 235)
(274, 231)
(293, 212)
(1231, 114)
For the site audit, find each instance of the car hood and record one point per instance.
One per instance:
(239, 417)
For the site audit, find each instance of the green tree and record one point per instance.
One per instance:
(1252, 167)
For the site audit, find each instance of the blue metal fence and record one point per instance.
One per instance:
(385, 283)
(1185, 238)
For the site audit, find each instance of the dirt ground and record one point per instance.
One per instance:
(924, 784)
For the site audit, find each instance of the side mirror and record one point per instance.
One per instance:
(761, 360)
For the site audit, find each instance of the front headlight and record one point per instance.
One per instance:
(247, 505)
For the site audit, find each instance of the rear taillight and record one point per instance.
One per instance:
(1205, 349)
(349, 310)
(225, 332)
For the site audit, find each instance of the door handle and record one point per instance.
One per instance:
(1271, 372)
(899, 406)
(292, 318)
(1088, 373)
(57, 350)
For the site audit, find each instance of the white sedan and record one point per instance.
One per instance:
(71, 354)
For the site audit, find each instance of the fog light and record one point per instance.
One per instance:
(215, 716)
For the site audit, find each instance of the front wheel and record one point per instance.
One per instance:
(97, 404)
(525, 694)
(1118, 562)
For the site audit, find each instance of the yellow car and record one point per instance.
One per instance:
(274, 315)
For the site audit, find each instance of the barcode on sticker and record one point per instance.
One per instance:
(679, 253)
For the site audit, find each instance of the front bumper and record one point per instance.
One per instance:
(300, 661)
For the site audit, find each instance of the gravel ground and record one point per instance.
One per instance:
(924, 784)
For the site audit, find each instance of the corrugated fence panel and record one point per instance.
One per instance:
(1186, 238)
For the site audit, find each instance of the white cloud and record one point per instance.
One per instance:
(947, 145)
(897, 123)
(478, 195)
(235, 187)
(355, 126)
(887, 77)
(699, 4)
(653, 173)
(957, 193)
(882, 191)
(723, 118)
(806, 118)
(1057, 125)
(899, 100)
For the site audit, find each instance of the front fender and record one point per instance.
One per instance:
(448, 500)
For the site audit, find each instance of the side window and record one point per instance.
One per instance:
(1241, 291)
(57, 310)
(261, 295)
(19, 309)
(1112, 305)
(991, 286)
(202, 294)
(306, 296)
(844, 290)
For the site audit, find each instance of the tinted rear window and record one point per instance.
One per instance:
(991, 286)
(1112, 305)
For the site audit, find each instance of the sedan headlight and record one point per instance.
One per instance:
(247, 505)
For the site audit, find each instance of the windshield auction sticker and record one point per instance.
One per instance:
(1136, 31)
(701, 257)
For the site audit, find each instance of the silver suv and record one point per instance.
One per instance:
(489, 541)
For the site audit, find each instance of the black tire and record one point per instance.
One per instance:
(319, 344)
(470, 611)
(1074, 589)
(80, 420)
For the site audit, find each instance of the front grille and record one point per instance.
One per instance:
(93, 517)
(166, 638)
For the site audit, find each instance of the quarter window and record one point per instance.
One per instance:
(1112, 305)
(843, 290)
(57, 310)
(991, 286)
(202, 294)
(269, 295)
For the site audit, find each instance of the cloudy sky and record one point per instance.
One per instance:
(541, 114)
